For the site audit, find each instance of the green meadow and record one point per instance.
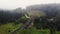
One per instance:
(9, 27)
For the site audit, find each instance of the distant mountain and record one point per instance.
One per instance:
(52, 10)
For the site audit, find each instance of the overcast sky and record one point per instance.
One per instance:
(12, 4)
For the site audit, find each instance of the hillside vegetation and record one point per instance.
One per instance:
(4, 29)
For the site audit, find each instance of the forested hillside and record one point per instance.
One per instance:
(35, 19)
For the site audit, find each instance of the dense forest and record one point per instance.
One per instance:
(49, 11)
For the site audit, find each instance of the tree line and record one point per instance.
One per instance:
(51, 11)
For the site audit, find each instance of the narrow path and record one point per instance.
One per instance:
(25, 26)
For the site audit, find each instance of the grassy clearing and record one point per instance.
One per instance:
(33, 31)
(10, 26)
(57, 32)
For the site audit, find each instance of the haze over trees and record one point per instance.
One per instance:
(49, 11)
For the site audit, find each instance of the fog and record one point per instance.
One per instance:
(12, 4)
